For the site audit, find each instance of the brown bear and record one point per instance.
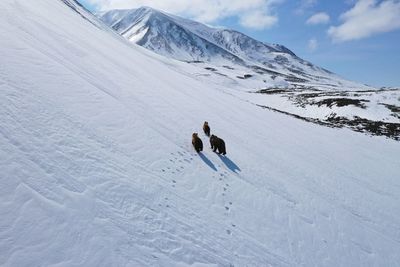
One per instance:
(206, 128)
(197, 143)
(217, 143)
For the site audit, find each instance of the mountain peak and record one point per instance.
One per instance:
(146, 9)
(123, 21)
(190, 41)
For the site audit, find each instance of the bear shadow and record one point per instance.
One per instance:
(207, 161)
(229, 163)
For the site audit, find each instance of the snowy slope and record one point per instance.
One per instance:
(231, 59)
(231, 53)
(97, 168)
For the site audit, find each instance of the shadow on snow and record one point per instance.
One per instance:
(207, 161)
(229, 163)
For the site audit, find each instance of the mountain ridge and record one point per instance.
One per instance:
(187, 40)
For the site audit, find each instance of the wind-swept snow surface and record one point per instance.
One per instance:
(97, 168)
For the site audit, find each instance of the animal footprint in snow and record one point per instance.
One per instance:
(228, 231)
(227, 208)
(166, 200)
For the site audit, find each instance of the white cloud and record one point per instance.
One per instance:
(257, 20)
(367, 18)
(319, 18)
(304, 6)
(312, 44)
(257, 14)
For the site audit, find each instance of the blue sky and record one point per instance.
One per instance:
(357, 39)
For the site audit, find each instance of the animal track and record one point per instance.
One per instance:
(177, 160)
(177, 165)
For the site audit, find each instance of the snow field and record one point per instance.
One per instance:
(98, 168)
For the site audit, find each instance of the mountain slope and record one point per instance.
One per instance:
(231, 59)
(149, 28)
(190, 41)
(98, 168)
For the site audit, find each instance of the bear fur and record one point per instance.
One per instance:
(206, 128)
(217, 144)
(197, 143)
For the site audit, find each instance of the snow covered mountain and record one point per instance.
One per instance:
(97, 166)
(193, 42)
(230, 58)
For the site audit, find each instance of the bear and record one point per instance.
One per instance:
(212, 141)
(197, 143)
(217, 144)
(206, 128)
